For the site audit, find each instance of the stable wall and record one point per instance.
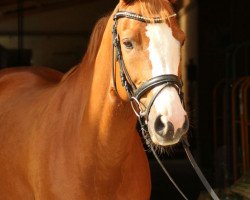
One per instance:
(58, 38)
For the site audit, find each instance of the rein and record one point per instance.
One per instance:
(135, 94)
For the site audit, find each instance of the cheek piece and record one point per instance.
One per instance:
(135, 94)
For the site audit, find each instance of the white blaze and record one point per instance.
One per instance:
(164, 53)
(164, 49)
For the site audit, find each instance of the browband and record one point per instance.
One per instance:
(130, 15)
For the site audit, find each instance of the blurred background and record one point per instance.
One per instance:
(215, 71)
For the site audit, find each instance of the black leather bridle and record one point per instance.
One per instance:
(136, 93)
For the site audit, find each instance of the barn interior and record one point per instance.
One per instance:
(215, 71)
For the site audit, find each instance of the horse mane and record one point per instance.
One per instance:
(95, 40)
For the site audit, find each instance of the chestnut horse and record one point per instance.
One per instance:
(73, 136)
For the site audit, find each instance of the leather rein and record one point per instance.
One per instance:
(135, 94)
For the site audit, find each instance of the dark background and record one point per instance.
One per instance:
(55, 34)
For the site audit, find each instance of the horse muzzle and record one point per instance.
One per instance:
(163, 132)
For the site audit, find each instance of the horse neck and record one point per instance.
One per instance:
(113, 118)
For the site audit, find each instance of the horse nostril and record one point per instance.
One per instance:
(164, 128)
(159, 125)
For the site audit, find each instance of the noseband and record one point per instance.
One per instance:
(136, 93)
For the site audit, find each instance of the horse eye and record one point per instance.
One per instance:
(128, 44)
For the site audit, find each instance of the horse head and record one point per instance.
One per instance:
(147, 47)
